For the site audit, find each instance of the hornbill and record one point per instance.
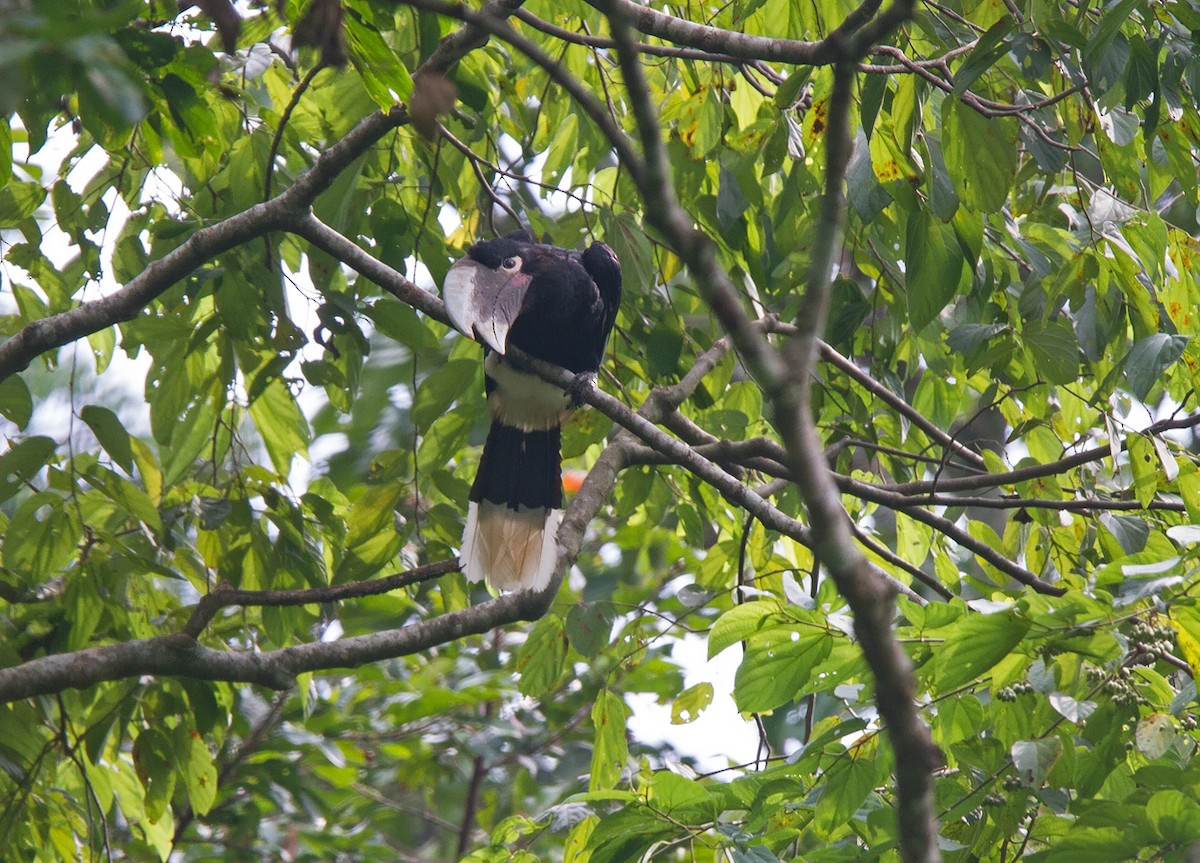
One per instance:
(555, 305)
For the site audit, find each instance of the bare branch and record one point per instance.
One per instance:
(898, 404)
(225, 596)
(590, 41)
(354, 256)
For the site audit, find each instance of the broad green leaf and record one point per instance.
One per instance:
(1034, 758)
(1143, 463)
(680, 799)
(199, 769)
(1175, 816)
(981, 155)
(1054, 349)
(789, 90)
(19, 201)
(111, 434)
(42, 537)
(934, 267)
(385, 77)
(847, 786)
(284, 430)
(1186, 620)
(1149, 358)
(541, 659)
(156, 768)
(990, 48)
(610, 750)
(742, 621)
(16, 404)
(399, 322)
(973, 645)
(441, 388)
(627, 834)
(776, 665)
(589, 627)
(23, 462)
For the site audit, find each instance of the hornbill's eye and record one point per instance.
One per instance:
(511, 264)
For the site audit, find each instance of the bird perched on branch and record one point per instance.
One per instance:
(555, 305)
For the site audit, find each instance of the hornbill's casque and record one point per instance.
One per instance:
(555, 305)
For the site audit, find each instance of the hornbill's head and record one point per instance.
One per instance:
(484, 291)
(557, 294)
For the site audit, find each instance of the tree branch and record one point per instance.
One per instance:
(785, 379)
(287, 210)
(225, 596)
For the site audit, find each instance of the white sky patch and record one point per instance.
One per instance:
(720, 737)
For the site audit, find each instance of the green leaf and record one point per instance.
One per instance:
(385, 77)
(1149, 358)
(789, 91)
(112, 435)
(6, 144)
(18, 201)
(131, 499)
(1143, 463)
(1175, 816)
(1093, 845)
(542, 658)
(589, 627)
(155, 764)
(441, 388)
(1034, 758)
(1055, 350)
(23, 462)
(973, 645)
(742, 621)
(1141, 75)
(690, 703)
(990, 48)
(283, 428)
(776, 665)
(16, 404)
(199, 768)
(981, 155)
(846, 787)
(934, 263)
(401, 323)
(610, 750)
(682, 800)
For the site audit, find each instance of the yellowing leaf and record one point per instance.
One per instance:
(1187, 635)
(691, 703)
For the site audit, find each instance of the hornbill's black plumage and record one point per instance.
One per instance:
(555, 305)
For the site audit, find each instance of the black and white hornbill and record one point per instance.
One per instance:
(555, 305)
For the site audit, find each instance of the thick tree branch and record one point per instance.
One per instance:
(565, 35)
(785, 380)
(743, 46)
(182, 656)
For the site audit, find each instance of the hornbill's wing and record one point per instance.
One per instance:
(483, 301)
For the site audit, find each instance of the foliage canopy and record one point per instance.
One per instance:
(240, 434)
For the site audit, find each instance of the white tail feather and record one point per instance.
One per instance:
(512, 549)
